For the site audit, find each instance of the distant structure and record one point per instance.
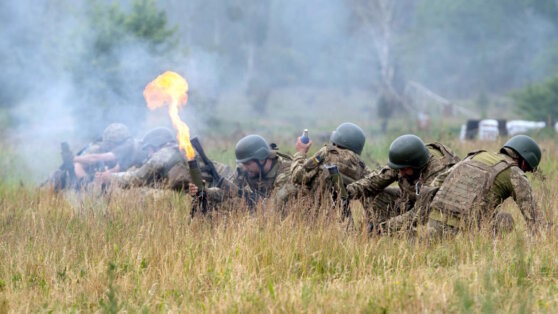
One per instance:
(418, 98)
(491, 129)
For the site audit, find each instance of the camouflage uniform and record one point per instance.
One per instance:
(255, 188)
(167, 168)
(390, 202)
(127, 154)
(311, 174)
(470, 193)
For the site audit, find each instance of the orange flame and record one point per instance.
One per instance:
(171, 88)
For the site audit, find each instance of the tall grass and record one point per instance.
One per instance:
(139, 250)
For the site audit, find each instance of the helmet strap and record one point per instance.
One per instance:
(525, 166)
(262, 167)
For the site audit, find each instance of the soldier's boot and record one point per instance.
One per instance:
(503, 223)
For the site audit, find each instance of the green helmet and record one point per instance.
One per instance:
(350, 136)
(527, 148)
(115, 134)
(408, 151)
(251, 147)
(157, 138)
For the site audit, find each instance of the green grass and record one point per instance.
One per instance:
(139, 250)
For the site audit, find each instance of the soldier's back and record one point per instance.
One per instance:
(466, 190)
(350, 165)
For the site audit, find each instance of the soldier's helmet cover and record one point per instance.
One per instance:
(527, 148)
(408, 151)
(115, 134)
(350, 136)
(252, 147)
(158, 137)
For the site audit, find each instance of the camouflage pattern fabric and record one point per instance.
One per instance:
(314, 178)
(487, 192)
(418, 215)
(310, 173)
(502, 224)
(261, 188)
(387, 205)
(61, 180)
(179, 174)
(167, 168)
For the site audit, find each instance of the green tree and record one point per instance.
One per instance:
(120, 57)
(539, 101)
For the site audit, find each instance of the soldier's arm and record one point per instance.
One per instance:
(131, 178)
(94, 158)
(301, 166)
(283, 174)
(402, 222)
(372, 184)
(228, 189)
(525, 200)
(215, 195)
(418, 215)
(158, 164)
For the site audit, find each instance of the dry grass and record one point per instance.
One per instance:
(139, 251)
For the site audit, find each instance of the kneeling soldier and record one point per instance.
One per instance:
(165, 168)
(411, 164)
(344, 149)
(260, 172)
(472, 190)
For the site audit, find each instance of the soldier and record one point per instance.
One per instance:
(344, 149)
(470, 193)
(165, 168)
(260, 172)
(116, 151)
(411, 164)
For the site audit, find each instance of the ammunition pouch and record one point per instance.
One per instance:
(445, 219)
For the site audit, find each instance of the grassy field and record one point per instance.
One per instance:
(139, 250)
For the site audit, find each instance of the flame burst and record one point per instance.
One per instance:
(171, 88)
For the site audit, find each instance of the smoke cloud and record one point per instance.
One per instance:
(251, 65)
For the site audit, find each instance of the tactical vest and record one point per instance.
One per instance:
(465, 190)
(447, 160)
(436, 165)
